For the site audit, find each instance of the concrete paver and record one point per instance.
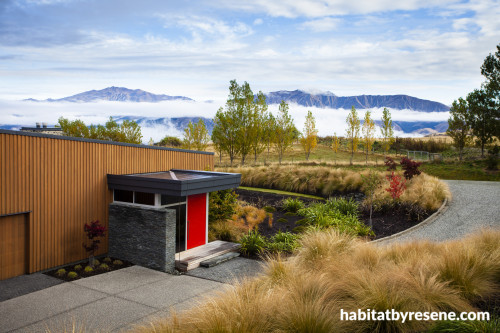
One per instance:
(230, 271)
(27, 309)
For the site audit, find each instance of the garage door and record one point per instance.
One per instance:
(13, 246)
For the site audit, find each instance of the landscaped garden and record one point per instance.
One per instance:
(369, 204)
(330, 271)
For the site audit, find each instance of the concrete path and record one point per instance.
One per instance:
(108, 302)
(230, 271)
(474, 205)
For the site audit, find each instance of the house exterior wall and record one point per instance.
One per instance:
(143, 235)
(61, 181)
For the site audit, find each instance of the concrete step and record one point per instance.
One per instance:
(219, 259)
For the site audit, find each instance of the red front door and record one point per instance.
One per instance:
(196, 220)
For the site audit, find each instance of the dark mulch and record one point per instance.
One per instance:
(385, 223)
(82, 274)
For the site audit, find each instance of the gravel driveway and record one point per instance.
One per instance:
(474, 205)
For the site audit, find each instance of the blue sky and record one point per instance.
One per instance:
(428, 49)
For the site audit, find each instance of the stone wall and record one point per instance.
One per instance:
(143, 235)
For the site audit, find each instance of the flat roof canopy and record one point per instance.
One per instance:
(175, 182)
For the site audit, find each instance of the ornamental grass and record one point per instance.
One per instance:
(333, 271)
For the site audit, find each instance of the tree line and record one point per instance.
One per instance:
(478, 115)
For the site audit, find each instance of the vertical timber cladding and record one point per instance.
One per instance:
(62, 181)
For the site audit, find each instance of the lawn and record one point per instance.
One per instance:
(468, 170)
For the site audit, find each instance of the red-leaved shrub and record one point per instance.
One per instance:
(397, 185)
(390, 164)
(93, 230)
(410, 167)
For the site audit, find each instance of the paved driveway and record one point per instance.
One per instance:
(113, 301)
(474, 205)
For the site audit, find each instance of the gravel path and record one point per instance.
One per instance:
(474, 205)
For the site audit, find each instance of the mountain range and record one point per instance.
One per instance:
(115, 94)
(330, 100)
(300, 97)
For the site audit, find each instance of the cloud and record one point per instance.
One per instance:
(322, 8)
(258, 21)
(322, 25)
(328, 121)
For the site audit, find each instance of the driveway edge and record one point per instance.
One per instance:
(429, 220)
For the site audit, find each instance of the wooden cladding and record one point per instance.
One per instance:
(63, 183)
(13, 246)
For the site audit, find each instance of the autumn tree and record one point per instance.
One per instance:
(458, 127)
(309, 139)
(269, 131)
(335, 145)
(352, 132)
(368, 131)
(387, 131)
(258, 125)
(196, 136)
(283, 131)
(224, 133)
(128, 131)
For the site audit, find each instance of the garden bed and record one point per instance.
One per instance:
(113, 265)
(385, 223)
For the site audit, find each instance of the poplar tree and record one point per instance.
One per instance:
(309, 139)
(335, 145)
(258, 125)
(196, 136)
(284, 134)
(352, 132)
(368, 133)
(387, 131)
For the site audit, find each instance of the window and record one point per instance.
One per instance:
(124, 196)
(144, 198)
(169, 200)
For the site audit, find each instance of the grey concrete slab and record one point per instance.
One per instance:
(31, 308)
(170, 291)
(104, 315)
(229, 271)
(25, 284)
(122, 280)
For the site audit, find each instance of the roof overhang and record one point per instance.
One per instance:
(175, 182)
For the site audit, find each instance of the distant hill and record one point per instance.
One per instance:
(115, 94)
(329, 100)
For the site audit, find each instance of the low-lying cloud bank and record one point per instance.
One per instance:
(328, 121)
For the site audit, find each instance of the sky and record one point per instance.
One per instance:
(57, 48)
(423, 48)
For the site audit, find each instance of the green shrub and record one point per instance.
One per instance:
(88, 269)
(77, 267)
(96, 262)
(290, 214)
(340, 214)
(72, 275)
(344, 206)
(117, 262)
(292, 205)
(269, 209)
(492, 159)
(282, 220)
(104, 267)
(222, 205)
(299, 229)
(283, 242)
(61, 272)
(107, 260)
(252, 243)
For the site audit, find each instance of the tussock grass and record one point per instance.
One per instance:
(333, 271)
(425, 191)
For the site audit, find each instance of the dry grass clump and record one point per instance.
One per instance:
(247, 218)
(332, 271)
(425, 191)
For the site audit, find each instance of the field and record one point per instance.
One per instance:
(471, 168)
